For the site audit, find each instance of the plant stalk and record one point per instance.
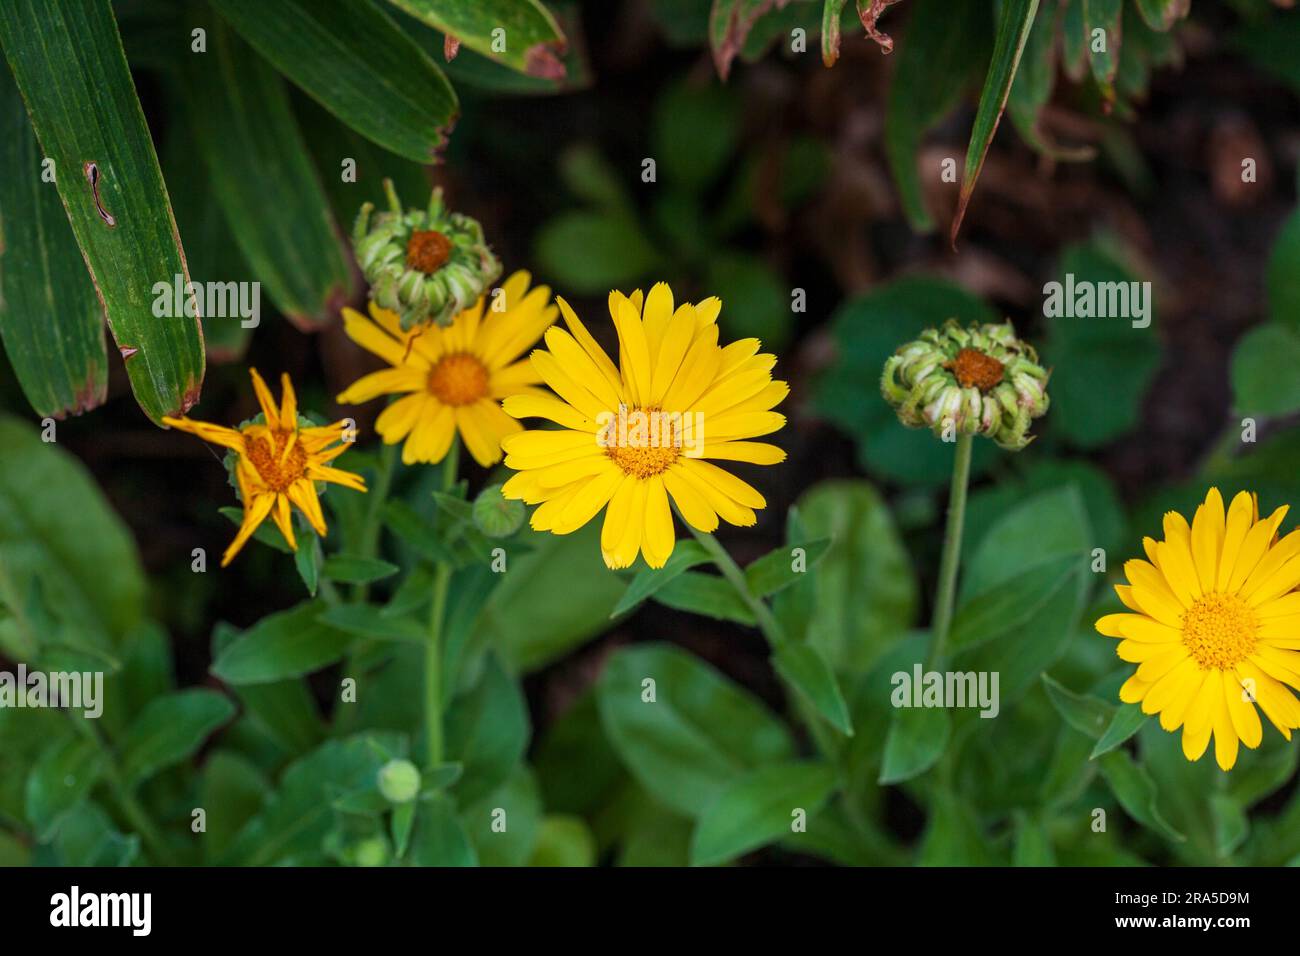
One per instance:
(433, 651)
(946, 593)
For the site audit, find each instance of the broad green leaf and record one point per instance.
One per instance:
(577, 769)
(440, 838)
(953, 835)
(1085, 350)
(487, 731)
(553, 598)
(87, 837)
(67, 59)
(1231, 825)
(1127, 721)
(263, 178)
(530, 37)
(1136, 793)
(1262, 772)
(25, 737)
(233, 791)
(1033, 842)
(864, 590)
(1103, 48)
(757, 299)
(1263, 366)
(1163, 14)
(50, 321)
(1086, 714)
(355, 569)
(867, 330)
(66, 773)
(83, 556)
(705, 594)
(654, 835)
(370, 621)
(694, 132)
(686, 555)
(564, 841)
(1005, 607)
(1283, 278)
(1040, 529)
(758, 809)
(698, 734)
(519, 799)
(307, 559)
(296, 819)
(917, 739)
(355, 61)
(285, 644)
(804, 668)
(170, 731)
(951, 32)
(1014, 22)
(591, 252)
(1270, 44)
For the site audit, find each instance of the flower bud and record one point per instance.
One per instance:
(427, 265)
(982, 379)
(495, 515)
(399, 781)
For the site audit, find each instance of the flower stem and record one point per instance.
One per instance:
(946, 592)
(767, 622)
(433, 651)
(369, 542)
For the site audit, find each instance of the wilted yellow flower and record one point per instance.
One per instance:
(452, 379)
(1215, 626)
(635, 434)
(278, 462)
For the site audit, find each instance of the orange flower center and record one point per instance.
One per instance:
(643, 441)
(972, 368)
(427, 251)
(458, 379)
(1220, 630)
(277, 467)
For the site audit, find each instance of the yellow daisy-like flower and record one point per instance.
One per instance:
(278, 463)
(1215, 626)
(637, 433)
(452, 379)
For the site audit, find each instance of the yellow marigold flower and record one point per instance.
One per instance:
(452, 379)
(1215, 626)
(278, 462)
(634, 434)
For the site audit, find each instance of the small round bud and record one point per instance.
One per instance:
(495, 515)
(370, 852)
(981, 380)
(399, 781)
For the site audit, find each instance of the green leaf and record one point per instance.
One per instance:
(953, 835)
(1032, 88)
(1270, 44)
(592, 252)
(707, 595)
(1231, 825)
(60, 781)
(864, 593)
(951, 32)
(686, 555)
(1087, 350)
(355, 61)
(1136, 793)
(355, 569)
(84, 557)
(263, 178)
(758, 809)
(1163, 14)
(1033, 843)
(551, 599)
(286, 644)
(564, 841)
(917, 739)
(233, 791)
(67, 59)
(697, 736)
(805, 669)
(1263, 366)
(170, 731)
(1088, 715)
(440, 838)
(1283, 277)
(1005, 607)
(87, 837)
(519, 799)
(757, 298)
(1017, 16)
(694, 132)
(867, 330)
(370, 621)
(487, 731)
(729, 24)
(306, 558)
(50, 321)
(531, 37)
(1104, 15)
(1127, 721)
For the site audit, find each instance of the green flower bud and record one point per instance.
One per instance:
(399, 781)
(427, 265)
(495, 515)
(369, 852)
(979, 380)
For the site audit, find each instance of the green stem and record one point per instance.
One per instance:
(767, 622)
(946, 593)
(433, 651)
(369, 538)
